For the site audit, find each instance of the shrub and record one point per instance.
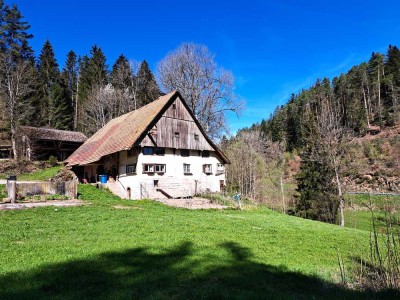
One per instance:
(53, 161)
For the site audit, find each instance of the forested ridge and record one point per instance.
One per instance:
(312, 150)
(366, 97)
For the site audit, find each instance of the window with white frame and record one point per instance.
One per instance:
(159, 168)
(207, 168)
(220, 168)
(186, 168)
(147, 168)
(153, 168)
(130, 169)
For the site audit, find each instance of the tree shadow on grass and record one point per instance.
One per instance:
(179, 273)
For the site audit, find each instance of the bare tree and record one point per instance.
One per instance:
(14, 86)
(207, 88)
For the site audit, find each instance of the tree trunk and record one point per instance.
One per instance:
(379, 99)
(366, 107)
(340, 194)
(283, 195)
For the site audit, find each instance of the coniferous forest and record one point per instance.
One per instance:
(82, 93)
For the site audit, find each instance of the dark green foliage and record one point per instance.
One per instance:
(48, 75)
(69, 78)
(61, 108)
(121, 74)
(147, 87)
(13, 34)
(93, 73)
(317, 197)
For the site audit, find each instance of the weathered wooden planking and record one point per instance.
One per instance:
(177, 129)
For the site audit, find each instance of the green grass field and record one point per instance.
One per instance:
(358, 214)
(151, 251)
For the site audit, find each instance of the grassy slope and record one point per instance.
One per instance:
(153, 251)
(44, 174)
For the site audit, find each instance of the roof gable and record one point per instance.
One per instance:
(127, 130)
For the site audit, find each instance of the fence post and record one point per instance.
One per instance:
(12, 188)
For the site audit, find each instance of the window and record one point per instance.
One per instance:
(220, 169)
(148, 151)
(205, 153)
(207, 169)
(159, 168)
(130, 169)
(173, 105)
(185, 152)
(153, 168)
(177, 135)
(186, 169)
(148, 168)
(159, 151)
(153, 151)
(155, 183)
(196, 137)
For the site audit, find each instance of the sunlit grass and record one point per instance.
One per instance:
(148, 250)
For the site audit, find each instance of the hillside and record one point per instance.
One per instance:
(151, 251)
(372, 163)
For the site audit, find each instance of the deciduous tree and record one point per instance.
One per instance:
(208, 88)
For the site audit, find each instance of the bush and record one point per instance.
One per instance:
(53, 161)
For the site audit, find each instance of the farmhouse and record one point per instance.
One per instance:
(159, 150)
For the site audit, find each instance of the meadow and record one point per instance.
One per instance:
(113, 248)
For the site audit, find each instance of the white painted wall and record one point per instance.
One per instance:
(173, 181)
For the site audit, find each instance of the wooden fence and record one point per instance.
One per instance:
(67, 188)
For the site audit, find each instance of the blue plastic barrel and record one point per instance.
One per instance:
(103, 178)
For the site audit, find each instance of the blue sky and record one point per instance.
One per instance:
(273, 48)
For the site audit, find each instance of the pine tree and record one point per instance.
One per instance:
(124, 84)
(16, 68)
(69, 76)
(61, 108)
(14, 36)
(317, 198)
(49, 75)
(147, 87)
(93, 74)
(393, 82)
(121, 74)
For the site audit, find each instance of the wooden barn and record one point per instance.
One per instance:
(159, 150)
(40, 143)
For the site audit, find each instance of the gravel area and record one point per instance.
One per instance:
(13, 206)
(194, 203)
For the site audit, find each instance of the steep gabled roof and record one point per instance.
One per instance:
(127, 130)
(51, 134)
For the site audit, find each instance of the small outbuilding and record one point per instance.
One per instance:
(39, 143)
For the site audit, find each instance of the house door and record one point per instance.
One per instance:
(221, 186)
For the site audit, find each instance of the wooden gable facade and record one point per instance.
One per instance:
(176, 129)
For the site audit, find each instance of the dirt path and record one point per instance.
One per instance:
(194, 203)
(10, 206)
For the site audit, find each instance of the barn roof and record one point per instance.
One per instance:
(123, 132)
(42, 133)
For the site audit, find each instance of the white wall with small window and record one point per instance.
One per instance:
(188, 171)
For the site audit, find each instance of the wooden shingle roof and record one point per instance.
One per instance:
(51, 134)
(123, 132)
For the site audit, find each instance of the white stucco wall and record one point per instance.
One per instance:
(173, 181)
